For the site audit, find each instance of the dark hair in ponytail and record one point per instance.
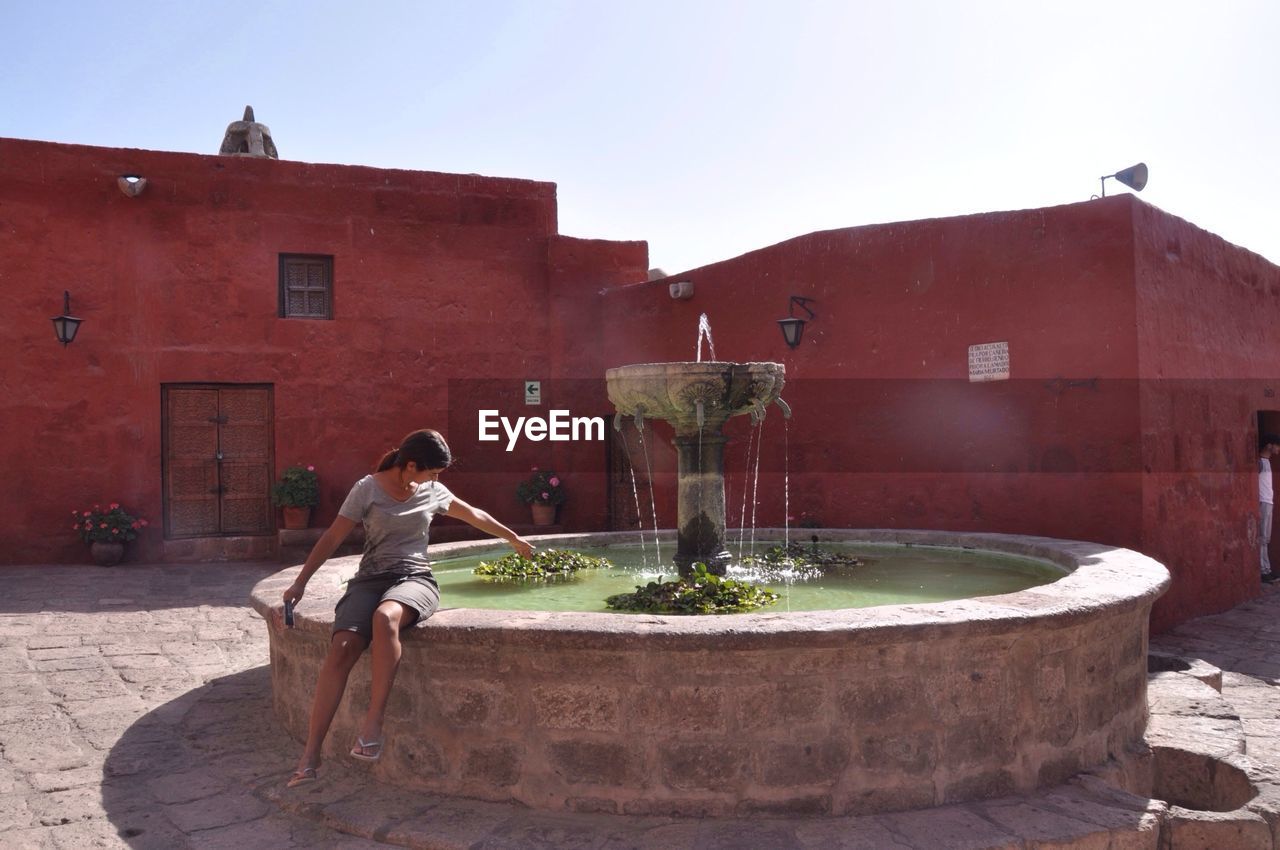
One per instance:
(426, 448)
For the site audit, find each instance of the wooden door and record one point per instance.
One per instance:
(217, 460)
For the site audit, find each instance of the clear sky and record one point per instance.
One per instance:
(708, 128)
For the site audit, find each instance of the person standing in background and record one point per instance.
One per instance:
(1269, 448)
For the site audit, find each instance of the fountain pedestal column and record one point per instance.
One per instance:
(700, 530)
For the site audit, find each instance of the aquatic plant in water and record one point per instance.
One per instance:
(702, 592)
(549, 563)
(799, 556)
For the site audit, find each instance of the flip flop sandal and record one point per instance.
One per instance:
(358, 751)
(305, 776)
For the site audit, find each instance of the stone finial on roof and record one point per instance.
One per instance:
(248, 138)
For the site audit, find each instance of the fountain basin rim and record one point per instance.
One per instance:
(685, 366)
(1101, 578)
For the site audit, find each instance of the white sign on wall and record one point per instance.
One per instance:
(533, 392)
(989, 362)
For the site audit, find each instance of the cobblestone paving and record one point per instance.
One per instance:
(112, 682)
(135, 712)
(1245, 644)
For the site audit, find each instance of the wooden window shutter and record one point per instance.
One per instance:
(306, 286)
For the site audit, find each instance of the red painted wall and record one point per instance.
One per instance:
(1141, 353)
(888, 431)
(1208, 355)
(439, 279)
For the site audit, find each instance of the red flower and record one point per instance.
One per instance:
(554, 482)
(86, 513)
(102, 525)
(535, 469)
(310, 468)
(75, 527)
(143, 521)
(113, 506)
(115, 531)
(135, 525)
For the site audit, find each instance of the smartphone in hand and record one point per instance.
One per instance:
(288, 614)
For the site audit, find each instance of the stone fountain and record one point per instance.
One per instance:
(697, 399)
(831, 713)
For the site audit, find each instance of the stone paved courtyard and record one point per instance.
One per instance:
(135, 712)
(114, 682)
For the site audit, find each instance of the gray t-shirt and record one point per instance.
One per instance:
(395, 533)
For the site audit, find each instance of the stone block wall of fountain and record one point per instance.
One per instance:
(824, 712)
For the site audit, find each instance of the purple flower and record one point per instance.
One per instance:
(546, 495)
(554, 482)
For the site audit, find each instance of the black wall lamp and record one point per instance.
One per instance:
(66, 325)
(792, 327)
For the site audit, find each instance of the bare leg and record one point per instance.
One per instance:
(385, 656)
(344, 652)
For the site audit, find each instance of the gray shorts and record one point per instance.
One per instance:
(418, 593)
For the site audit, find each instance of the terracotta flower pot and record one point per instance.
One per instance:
(106, 553)
(543, 514)
(295, 518)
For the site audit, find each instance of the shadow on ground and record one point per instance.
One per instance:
(181, 775)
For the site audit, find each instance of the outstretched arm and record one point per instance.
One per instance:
(325, 546)
(481, 520)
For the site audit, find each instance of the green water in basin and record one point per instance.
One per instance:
(890, 574)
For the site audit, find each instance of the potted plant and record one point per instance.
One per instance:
(297, 491)
(542, 491)
(107, 531)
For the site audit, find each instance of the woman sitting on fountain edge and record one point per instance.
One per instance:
(393, 588)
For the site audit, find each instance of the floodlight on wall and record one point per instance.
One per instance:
(131, 184)
(1135, 177)
(793, 327)
(66, 325)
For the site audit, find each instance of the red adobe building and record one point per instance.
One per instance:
(243, 314)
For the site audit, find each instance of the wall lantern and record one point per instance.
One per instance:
(66, 325)
(131, 184)
(1135, 177)
(792, 327)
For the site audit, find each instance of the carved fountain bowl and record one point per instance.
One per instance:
(671, 391)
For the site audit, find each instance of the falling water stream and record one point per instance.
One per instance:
(746, 490)
(786, 485)
(653, 501)
(704, 330)
(755, 481)
(635, 492)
